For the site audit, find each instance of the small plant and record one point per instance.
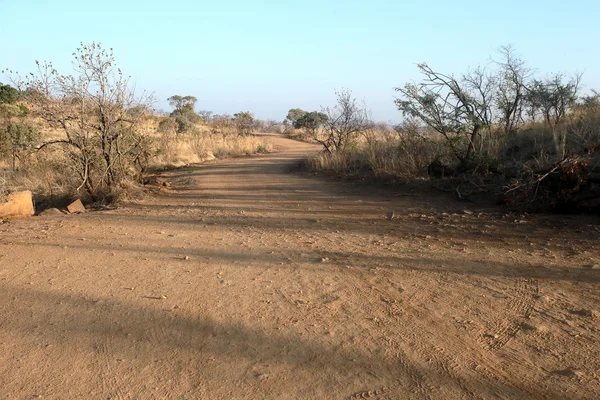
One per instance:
(263, 148)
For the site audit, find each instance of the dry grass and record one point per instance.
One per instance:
(384, 156)
(49, 174)
(172, 150)
(528, 170)
(299, 134)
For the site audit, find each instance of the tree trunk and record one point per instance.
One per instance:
(471, 147)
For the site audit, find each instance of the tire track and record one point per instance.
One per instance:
(455, 360)
(110, 381)
(519, 309)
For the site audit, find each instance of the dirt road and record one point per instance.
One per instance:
(246, 281)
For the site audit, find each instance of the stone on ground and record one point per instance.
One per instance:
(76, 207)
(17, 204)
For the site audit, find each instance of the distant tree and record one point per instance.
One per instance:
(184, 113)
(182, 102)
(294, 115)
(244, 122)
(258, 125)
(8, 94)
(311, 122)
(221, 124)
(589, 102)
(205, 115)
(346, 121)
(272, 126)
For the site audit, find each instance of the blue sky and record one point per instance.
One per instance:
(270, 56)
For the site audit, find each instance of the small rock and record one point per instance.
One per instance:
(468, 212)
(186, 258)
(51, 212)
(208, 156)
(76, 207)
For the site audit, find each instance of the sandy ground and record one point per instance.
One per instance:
(246, 281)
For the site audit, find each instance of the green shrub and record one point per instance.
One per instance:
(8, 94)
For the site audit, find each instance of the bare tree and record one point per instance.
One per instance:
(554, 98)
(205, 115)
(97, 112)
(513, 78)
(222, 124)
(457, 109)
(272, 126)
(345, 122)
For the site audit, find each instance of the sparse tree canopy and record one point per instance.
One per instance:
(244, 122)
(273, 126)
(554, 98)
(184, 113)
(311, 121)
(511, 93)
(205, 115)
(182, 102)
(294, 115)
(345, 122)
(222, 124)
(458, 109)
(93, 110)
(466, 109)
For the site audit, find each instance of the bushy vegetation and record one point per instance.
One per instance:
(92, 136)
(8, 94)
(183, 114)
(201, 144)
(499, 130)
(531, 141)
(244, 122)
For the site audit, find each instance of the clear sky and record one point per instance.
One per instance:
(268, 56)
